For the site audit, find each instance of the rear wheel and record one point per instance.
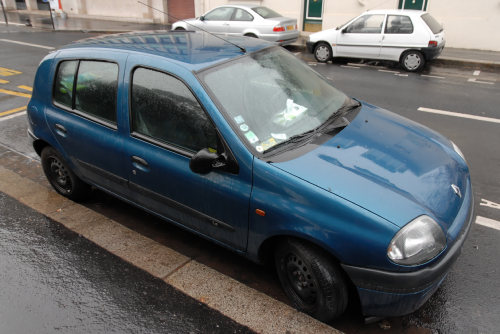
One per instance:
(179, 28)
(311, 280)
(412, 61)
(61, 177)
(322, 52)
(251, 35)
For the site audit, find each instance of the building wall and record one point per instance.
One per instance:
(468, 24)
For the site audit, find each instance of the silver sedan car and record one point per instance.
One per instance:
(244, 20)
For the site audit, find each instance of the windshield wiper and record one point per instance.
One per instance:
(335, 121)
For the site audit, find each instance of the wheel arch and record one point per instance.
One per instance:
(39, 145)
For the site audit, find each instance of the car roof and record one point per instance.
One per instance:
(194, 50)
(410, 12)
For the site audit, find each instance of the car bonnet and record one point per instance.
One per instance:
(389, 165)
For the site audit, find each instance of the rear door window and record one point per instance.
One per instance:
(96, 89)
(87, 87)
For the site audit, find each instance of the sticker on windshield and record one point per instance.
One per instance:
(259, 148)
(252, 138)
(239, 119)
(268, 143)
(280, 136)
(244, 127)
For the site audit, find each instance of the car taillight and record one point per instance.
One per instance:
(433, 44)
(278, 29)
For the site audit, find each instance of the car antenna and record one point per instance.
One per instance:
(208, 32)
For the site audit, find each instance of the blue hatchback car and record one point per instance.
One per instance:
(242, 143)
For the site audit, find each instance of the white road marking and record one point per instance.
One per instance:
(476, 73)
(349, 66)
(387, 71)
(28, 44)
(356, 64)
(456, 114)
(488, 222)
(480, 82)
(489, 204)
(297, 53)
(14, 23)
(12, 116)
(432, 76)
(401, 75)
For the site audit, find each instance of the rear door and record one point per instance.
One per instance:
(84, 118)
(362, 38)
(168, 126)
(240, 21)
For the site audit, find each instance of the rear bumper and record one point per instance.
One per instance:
(284, 38)
(384, 293)
(432, 52)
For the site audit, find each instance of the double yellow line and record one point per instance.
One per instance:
(11, 92)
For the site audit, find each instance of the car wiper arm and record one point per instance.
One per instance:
(292, 140)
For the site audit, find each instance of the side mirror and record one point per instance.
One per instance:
(343, 31)
(202, 18)
(204, 161)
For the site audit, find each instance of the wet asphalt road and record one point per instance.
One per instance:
(468, 301)
(53, 280)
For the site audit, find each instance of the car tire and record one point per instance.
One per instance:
(322, 52)
(412, 61)
(313, 282)
(251, 35)
(61, 177)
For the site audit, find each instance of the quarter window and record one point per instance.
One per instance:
(398, 24)
(63, 89)
(164, 109)
(366, 24)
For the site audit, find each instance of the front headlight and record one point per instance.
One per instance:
(418, 242)
(459, 152)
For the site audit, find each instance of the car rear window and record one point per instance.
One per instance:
(431, 22)
(266, 12)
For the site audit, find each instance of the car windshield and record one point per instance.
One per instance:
(271, 96)
(266, 12)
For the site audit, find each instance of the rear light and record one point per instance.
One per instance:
(296, 27)
(433, 44)
(278, 29)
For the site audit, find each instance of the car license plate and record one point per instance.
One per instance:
(291, 27)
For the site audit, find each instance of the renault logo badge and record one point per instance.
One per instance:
(457, 191)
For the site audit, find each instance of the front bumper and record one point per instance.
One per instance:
(309, 46)
(384, 293)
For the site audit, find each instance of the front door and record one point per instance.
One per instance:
(217, 21)
(362, 38)
(168, 126)
(413, 4)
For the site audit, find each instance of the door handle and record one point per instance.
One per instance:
(139, 161)
(60, 128)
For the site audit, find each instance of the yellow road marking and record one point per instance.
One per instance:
(28, 88)
(12, 111)
(11, 92)
(2, 81)
(5, 72)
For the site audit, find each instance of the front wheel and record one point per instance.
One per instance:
(412, 61)
(323, 52)
(311, 280)
(61, 177)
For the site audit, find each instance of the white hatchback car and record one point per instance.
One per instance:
(409, 37)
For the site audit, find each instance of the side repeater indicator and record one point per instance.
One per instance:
(260, 212)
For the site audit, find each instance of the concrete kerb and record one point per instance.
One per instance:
(235, 300)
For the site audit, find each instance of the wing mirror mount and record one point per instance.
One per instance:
(205, 161)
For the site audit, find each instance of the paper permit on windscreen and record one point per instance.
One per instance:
(290, 114)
